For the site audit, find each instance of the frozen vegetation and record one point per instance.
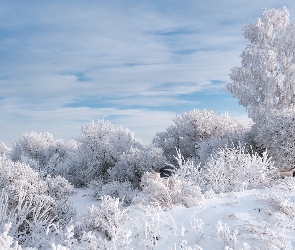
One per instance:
(207, 182)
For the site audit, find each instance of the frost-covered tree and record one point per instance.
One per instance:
(4, 150)
(265, 81)
(132, 165)
(194, 127)
(276, 135)
(99, 148)
(42, 152)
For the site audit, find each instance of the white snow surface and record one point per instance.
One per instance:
(262, 218)
(82, 201)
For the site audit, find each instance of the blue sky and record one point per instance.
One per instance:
(134, 63)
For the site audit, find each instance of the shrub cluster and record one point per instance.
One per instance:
(31, 203)
(104, 152)
(190, 129)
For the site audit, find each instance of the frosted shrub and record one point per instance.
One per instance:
(28, 221)
(107, 219)
(121, 141)
(17, 176)
(192, 128)
(285, 185)
(42, 148)
(208, 147)
(65, 239)
(234, 169)
(187, 171)
(170, 191)
(6, 241)
(197, 226)
(60, 190)
(276, 134)
(148, 227)
(4, 150)
(99, 148)
(59, 162)
(91, 241)
(26, 191)
(280, 203)
(151, 233)
(132, 165)
(270, 238)
(122, 190)
(164, 192)
(225, 235)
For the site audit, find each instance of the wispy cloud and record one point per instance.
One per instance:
(137, 63)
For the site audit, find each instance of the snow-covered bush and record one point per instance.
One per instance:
(270, 238)
(106, 220)
(16, 176)
(281, 204)
(208, 147)
(4, 150)
(132, 165)
(60, 162)
(235, 169)
(169, 191)
(60, 189)
(8, 243)
(225, 235)
(99, 148)
(23, 188)
(123, 190)
(28, 221)
(192, 128)
(188, 171)
(276, 134)
(197, 226)
(42, 152)
(66, 240)
(35, 146)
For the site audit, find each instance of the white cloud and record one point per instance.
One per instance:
(146, 52)
(66, 123)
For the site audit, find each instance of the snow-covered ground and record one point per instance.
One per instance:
(253, 219)
(82, 201)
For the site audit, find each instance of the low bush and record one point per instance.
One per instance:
(235, 169)
(169, 191)
(122, 190)
(132, 165)
(33, 200)
(28, 220)
(107, 221)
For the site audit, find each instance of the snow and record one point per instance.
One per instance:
(81, 200)
(248, 211)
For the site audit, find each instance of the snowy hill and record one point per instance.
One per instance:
(253, 219)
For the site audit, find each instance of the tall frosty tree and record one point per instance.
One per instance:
(266, 79)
